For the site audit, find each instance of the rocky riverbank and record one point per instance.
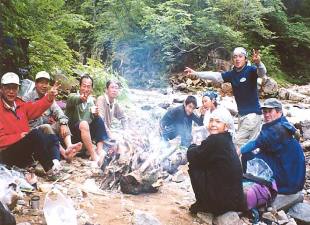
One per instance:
(170, 204)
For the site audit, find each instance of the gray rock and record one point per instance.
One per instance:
(269, 216)
(179, 99)
(291, 221)
(292, 95)
(144, 218)
(181, 86)
(301, 213)
(229, 218)
(305, 127)
(284, 202)
(146, 107)
(282, 217)
(270, 86)
(206, 218)
(164, 105)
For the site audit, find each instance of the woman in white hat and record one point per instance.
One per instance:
(215, 169)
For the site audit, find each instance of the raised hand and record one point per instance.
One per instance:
(189, 71)
(255, 56)
(23, 134)
(83, 97)
(53, 92)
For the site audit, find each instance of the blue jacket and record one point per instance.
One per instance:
(177, 117)
(282, 152)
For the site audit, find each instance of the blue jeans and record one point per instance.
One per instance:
(97, 131)
(35, 145)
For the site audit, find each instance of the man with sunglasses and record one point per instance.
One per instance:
(278, 148)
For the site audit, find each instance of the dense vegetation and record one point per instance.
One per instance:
(144, 40)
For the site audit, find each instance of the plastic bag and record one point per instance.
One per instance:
(259, 168)
(26, 87)
(58, 209)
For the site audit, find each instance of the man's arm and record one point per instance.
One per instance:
(208, 75)
(37, 108)
(58, 112)
(261, 70)
(167, 119)
(248, 147)
(120, 115)
(215, 77)
(73, 100)
(198, 120)
(100, 105)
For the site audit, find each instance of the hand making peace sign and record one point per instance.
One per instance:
(255, 56)
(52, 93)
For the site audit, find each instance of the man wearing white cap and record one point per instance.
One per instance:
(243, 79)
(18, 144)
(60, 127)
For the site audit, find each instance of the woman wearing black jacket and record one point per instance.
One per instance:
(215, 169)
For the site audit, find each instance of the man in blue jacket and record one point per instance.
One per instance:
(178, 122)
(279, 149)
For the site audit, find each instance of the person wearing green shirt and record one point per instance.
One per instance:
(84, 120)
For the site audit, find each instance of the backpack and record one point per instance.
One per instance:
(258, 191)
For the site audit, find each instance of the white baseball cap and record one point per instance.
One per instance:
(10, 78)
(240, 50)
(42, 74)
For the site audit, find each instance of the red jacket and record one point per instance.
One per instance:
(12, 125)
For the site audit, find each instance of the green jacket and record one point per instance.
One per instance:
(78, 111)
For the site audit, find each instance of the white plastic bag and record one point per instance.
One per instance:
(58, 209)
(259, 168)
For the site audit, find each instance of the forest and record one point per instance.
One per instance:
(145, 41)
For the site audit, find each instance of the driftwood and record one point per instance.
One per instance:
(137, 166)
(143, 180)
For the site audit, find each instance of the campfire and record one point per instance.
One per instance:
(137, 167)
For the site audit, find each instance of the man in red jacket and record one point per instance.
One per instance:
(18, 145)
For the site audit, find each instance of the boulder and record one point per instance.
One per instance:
(301, 213)
(284, 202)
(291, 222)
(269, 87)
(292, 95)
(143, 218)
(206, 218)
(305, 127)
(229, 218)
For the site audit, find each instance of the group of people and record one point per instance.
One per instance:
(35, 127)
(217, 165)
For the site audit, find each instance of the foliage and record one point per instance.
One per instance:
(100, 76)
(45, 27)
(143, 40)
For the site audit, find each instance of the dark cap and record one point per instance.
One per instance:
(271, 103)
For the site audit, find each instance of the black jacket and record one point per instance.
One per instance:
(216, 174)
